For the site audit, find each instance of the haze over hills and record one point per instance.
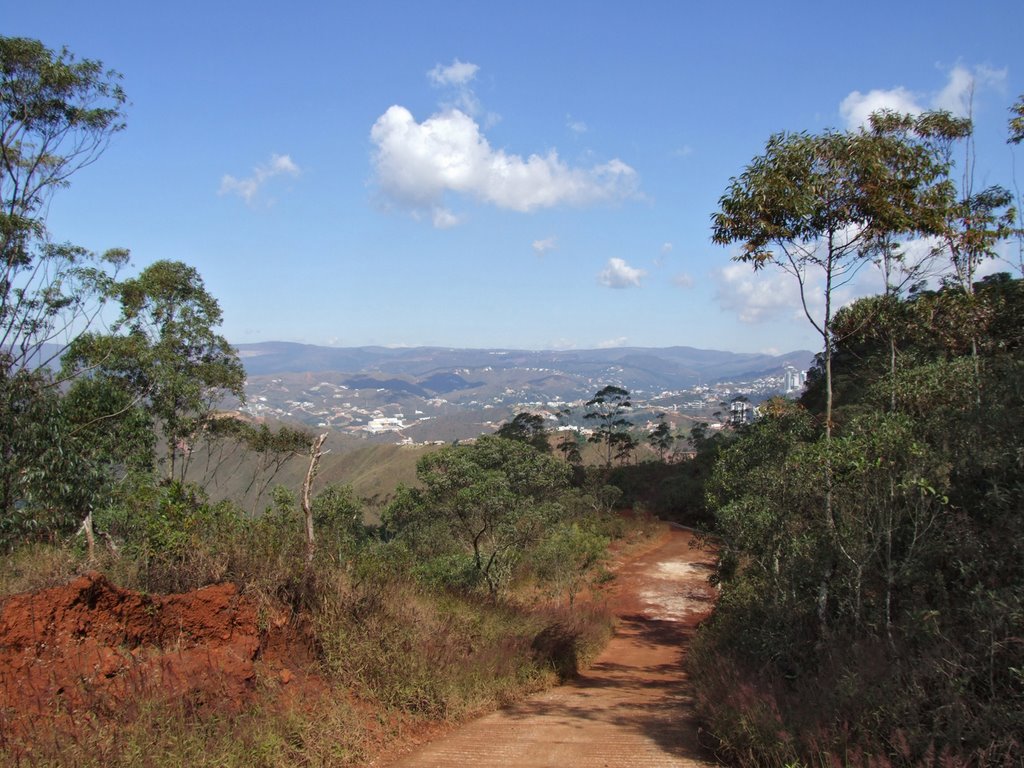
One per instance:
(421, 394)
(636, 368)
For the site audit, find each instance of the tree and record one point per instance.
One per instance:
(270, 450)
(316, 453)
(57, 115)
(489, 501)
(166, 352)
(1017, 121)
(816, 206)
(661, 438)
(526, 428)
(568, 557)
(608, 410)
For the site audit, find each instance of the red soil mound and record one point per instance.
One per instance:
(91, 645)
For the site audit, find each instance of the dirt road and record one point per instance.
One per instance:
(631, 708)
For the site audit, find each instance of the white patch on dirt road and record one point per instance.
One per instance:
(680, 591)
(678, 570)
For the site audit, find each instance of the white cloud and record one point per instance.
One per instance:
(576, 126)
(684, 151)
(458, 73)
(444, 219)
(249, 187)
(618, 274)
(773, 293)
(666, 248)
(418, 163)
(562, 343)
(955, 96)
(682, 280)
(540, 247)
(856, 108)
(456, 77)
(757, 296)
(613, 343)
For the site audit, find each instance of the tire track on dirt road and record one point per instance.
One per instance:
(631, 707)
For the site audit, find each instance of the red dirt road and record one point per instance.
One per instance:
(631, 707)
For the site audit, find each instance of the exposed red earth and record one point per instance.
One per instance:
(91, 647)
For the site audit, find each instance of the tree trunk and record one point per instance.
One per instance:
(90, 536)
(315, 454)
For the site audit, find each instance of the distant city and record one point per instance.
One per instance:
(463, 402)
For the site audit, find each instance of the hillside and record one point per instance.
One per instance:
(429, 394)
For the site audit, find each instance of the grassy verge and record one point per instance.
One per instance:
(391, 655)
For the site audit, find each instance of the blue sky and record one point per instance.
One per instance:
(529, 175)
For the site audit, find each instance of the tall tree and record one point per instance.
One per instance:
(526, 428)
(57, 115)
(608, 409)
(817, 206)
(661, 438)
(814, 205)
(166, 351)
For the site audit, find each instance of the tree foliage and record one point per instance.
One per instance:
(165, 351)
(527, 428)
(607, 409)
(57, 115)
(486, 503)
(925, 553)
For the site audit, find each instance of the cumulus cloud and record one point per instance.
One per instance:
(856, 108)
(955, 96)
(457, 73)
(247, 188)
(613, 343)
(456, 79)
(757, 296)
(959, 90)
(540, 247)
(417, 164)
(773, 293)
(618, 274)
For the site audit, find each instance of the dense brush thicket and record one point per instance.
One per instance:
(872, 605)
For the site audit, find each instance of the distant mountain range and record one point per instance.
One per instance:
(425, 394)
(423, 371)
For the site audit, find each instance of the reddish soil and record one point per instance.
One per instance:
(91, 646)
(632, 707)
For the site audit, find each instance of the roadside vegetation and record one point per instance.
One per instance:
(872, 602)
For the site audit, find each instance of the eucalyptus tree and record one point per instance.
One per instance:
(1017, 121)
(817, 206)
(526, 428)
(165, 350)
(57, 115)
(661, 438)
(608, 409)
